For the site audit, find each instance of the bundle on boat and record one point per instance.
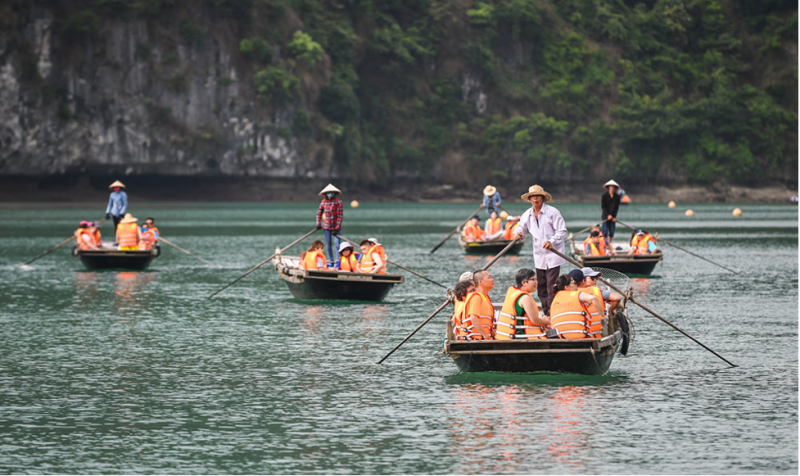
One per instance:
(333, 284)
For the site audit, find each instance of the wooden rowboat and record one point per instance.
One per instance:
(110, 258)
(339, 285)
(575, 356)
(489, 247)
(624, 261)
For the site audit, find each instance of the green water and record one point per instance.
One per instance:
(124, 372)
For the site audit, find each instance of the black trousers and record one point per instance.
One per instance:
(547, 280)
(116, 221)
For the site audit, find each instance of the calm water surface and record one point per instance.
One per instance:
(137, 372)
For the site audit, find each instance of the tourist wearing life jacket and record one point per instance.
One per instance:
(477, 319)
(150, 222)
(314, 257)
(128, 233)
(494, 227)
(148, 238)
(329, 217)
(85, 236)
(608, 299)
(575, 314)
(594, 245)
(473, 231)
(117, 202)
(643, 243)
(512, 223)
(519, 317)
(373, 257)
(348, 260)
(462, 289)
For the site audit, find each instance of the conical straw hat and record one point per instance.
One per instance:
(611, 183)
(329, 188)
(129, 219)
(116, 183)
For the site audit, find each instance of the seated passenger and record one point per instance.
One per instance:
(314, 258)
(463, 288)
(643, 243)
(594, 246)
(519, 317)
(348, 260)
(149, 236)
(87, 236)
(573, 313)
(473, 231)
(128, 233)
(511, 228)
(606, 296)
(373, 257)
(477, 318)
(494, 227)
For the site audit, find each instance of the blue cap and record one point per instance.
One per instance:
(576, 275)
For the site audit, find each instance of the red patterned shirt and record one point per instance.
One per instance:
(330, 213)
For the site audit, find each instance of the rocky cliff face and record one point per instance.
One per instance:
(134, 98)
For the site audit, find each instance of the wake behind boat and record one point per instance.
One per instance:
(333, 284)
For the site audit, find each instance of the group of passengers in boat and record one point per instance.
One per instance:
(372, 258)
(494, 229)
(579, 309)
(128, 235)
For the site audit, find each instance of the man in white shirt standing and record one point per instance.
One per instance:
(549, 231)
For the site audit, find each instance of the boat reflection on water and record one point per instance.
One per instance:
(87, 290)
(129, 295)
(533, 423)
(640, 286)
(312, 318)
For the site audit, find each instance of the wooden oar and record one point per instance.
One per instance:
(444, 304)
(682, 249)
(59, 245)
(161, 238)
(399, 266)
(265, 261)
(575, 263)
(457, 228)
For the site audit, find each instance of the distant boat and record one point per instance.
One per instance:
(111, 258)
(624, 261)
(488, 247)
(332, 284)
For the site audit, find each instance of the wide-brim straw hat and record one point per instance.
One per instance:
(129, 219)
(537, 190)
(116, 183)
(329, 188)
(489, 190)
(611, 183)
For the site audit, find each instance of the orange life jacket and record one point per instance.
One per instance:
(458, 311)
(127, 235)
(368, 264)
(493, 226)
(483, 309)
(640, 245)
(509, 233)
(601, 247)
(474, 233)
(79, 234)
(310, 259)
(596, 317)
(349, 263)
(511, 326)
(148, 239)
(570, 316)
(97, 236)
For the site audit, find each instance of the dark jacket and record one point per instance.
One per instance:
(610, 205)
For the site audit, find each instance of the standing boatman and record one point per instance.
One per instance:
(610, 204)
(549, 231)
(329, 218)
(491, 200)
(117, 202)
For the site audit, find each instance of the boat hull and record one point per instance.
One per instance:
(336, 285)
(115, 259)
(489, 247)
(627, 264)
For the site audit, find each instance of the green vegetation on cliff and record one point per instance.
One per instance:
(656, 90)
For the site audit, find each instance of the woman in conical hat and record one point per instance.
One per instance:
(329, 218)
(117, 202)
(610, 205)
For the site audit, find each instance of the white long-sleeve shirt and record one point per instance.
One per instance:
(548, 226)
